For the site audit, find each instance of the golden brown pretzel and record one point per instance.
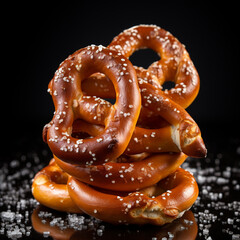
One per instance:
(158, 204)
(182, 135)
(175, 64)
(66, 91)
(49, 187)
(111, 149)
(127, 176)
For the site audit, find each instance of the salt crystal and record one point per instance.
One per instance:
(237, 187)
(14, 163)
(204, 191)
(201, 179)
(46, 234)
(221, 181)
(205, 231)
(8, 216)
(227, 174)
(99, 232)
(14, 233)
(53, 222)
(230, 221)
(235, 236)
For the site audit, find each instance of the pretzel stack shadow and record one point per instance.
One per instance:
(119, 160)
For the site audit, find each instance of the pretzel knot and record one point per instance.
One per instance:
(121, 160)
(67, 93)
(175, 64)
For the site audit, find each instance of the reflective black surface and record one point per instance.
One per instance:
(215, 215)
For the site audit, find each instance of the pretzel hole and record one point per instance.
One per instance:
(152, 121)
(81, 129)
(168, 85)
(77, 131)
(98, 81)
(144, 57)
(110, 100)
(80, 135)
(59, 177)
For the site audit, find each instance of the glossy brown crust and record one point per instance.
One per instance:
(172, 196)
(49, 187)
(66, 92)
(175, 64)
(168, 104)
(122, 160)
(183, 134)
(143, 139)
(126, 176)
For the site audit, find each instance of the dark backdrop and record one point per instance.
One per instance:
(38, 37)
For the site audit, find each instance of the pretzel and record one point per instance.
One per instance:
(175, 64)
(182, 135)
(49, 187)
(126, 176)
(158, 204)
(122, 160)
(66, 90)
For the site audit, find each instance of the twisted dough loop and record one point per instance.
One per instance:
(126, 176)
(175, 64)
(122, 160)
(50, 189)
(66, 91)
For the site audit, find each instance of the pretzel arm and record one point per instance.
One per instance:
(50, 189)
(130, 176)
(137, 207)
(67, 81)
(187, 133)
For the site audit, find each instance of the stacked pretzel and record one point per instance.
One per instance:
(120, 161)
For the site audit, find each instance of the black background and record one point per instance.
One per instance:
(37, 37)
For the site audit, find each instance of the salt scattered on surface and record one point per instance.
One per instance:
(16, 200)
(218, 204)
(8, 216)
(217, 207)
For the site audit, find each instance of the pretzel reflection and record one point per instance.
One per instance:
(181, 229)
